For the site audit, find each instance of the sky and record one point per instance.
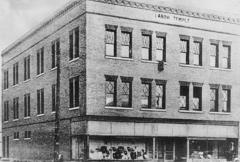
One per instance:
(19, 16)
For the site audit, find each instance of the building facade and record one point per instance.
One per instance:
(139, 81)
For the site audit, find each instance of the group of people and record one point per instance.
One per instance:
(118, 153)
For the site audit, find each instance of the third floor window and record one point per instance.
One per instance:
(126, 44)
(5, 79)
(15, 73)
(55, 52)
(74, 43)
(226, 57)
(214, 55)
(40, 61)
(27, 68)
(184, 51)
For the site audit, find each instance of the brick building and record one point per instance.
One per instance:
(159, 84)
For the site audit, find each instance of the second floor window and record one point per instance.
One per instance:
(16, 135)
(111, 91)
(126, 44)
(184, 97)
(226, 57)
(6, 111)
(126, 92)
(74, 43)
(184, 51)
(161, 49)
(27, 68)
(197, 98)
(40, 61)
(27, 134)
(160, 96)
(214, 99)
(27, 105)
(54, 97)
(15, 108)
(197, 53)
(146, 47)
(15, 73)
(146, 95)
(74, 92)
(214, 55)
(55, 52)
(5, 79)
(226, 100)
(40, 101)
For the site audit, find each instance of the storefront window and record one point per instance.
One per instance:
(212, 149)
(114, 148)
(77, 148)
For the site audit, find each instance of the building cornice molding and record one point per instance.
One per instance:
(206, 16)
(58, 14)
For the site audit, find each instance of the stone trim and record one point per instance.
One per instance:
(146, 80)
(126, 79)
(196, 84)
(227, 43)
(157, 8)
(214, 86)
(197, 39)
(161, 34)
(111, 27)
(126, 29)
(184, 37)
(111, 77)
(147, 32)
(214, 41)
(184, 83)
(158, 81)
(226, 87)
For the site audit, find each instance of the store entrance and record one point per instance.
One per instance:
(169, 150)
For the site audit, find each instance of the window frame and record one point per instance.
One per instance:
(40, 101)
(27, 68)
(228, 57)
(228, 90)
(111, 28)
(74, 43)
(127, 80)
(15, 73)
(216, 55)
(16, 108)
(149, 46)
(74, 92)
(187, 53)
(111, 78)
(129, 32)
(5, 79)
(198, 54)
(148, 83)
(216, 94)
(200, 98)
(160, 35)
(27, 105)
(181, 91)
(55, 51)
(6, 111)
(16, 136)
(40, 61)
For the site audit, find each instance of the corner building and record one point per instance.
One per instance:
(138, 81)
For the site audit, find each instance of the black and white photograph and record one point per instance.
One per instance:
(120, 80)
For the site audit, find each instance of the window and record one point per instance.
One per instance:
(197, 98)
(214, 99)
(111, 90)
(54, 97)
(160, 95)
(27, 135)
(126, 47)
(40, 101)
(74, 43)
(15, 73)
(226, 61)
(161, 48)
(6, 146)
(111, 41)
(27, 105)
(74, 92)
(27, 68)
(184, 51)
(6, 111)
(197, 53)
(146, 47)
(5, 79)
(146, 96)
(184, 96)
(40, 61)
(15, 108)
(55, 52)
(126, 92)
(226, 100)
(214, 55)
(16, 135)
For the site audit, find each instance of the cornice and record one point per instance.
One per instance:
(58, 14)
(207, 16)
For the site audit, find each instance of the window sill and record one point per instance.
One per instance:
(158, 110)
(27, 117)
(15, 85)
(26, 138)
(25, 81)
(53, 112)
(119, 58)
(73, 60)
(118, 108)
(39, 115)
(52, 69)
(73, 108)
(5, 122)
(39, 75)
(191, 111)
(15, 139)
(4, 90)
(15, 120)
(221, 69)
(220, 113)
(152, 62)
(191, 66)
